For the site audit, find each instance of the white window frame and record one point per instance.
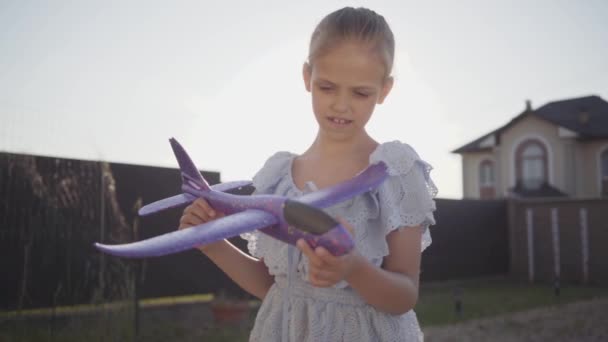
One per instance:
(483, 182)
(601, 151)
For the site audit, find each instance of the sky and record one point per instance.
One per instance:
(114, 80)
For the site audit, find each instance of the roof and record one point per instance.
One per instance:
(545, 190)
(587, 116)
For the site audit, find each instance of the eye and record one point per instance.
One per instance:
(361, 94)
(325, 88)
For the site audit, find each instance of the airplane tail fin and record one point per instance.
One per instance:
(191, 176)
(192, 180)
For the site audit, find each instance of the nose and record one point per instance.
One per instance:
(340, 103)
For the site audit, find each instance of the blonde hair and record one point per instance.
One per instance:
(361, 24)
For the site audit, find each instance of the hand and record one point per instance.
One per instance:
(325, 269)
(197, 213)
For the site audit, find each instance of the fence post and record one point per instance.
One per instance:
(556, 251)
(584, 244)
(530, 231)
(102, 233)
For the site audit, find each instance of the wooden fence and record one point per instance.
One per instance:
(559, 239)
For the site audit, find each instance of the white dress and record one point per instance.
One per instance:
(293, 309)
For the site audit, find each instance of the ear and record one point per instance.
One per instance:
(307, 75)
(386, 89)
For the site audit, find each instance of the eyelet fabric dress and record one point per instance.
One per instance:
(293, 309)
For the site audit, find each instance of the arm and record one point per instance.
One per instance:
(395, 286)
(392, 288)
(249, 273)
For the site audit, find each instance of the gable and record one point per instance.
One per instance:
(584, 118)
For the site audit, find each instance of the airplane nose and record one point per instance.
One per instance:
(307, 218)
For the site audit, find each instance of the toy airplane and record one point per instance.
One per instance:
(280, 217)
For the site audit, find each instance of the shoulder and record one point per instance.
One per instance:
(399, 157)
(274, 169)
(278, 160)
(409, 175)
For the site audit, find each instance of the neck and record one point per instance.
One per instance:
(357, 147)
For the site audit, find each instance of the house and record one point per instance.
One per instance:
(558, 149)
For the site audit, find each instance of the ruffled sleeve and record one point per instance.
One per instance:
(406, 198)
(270, 175)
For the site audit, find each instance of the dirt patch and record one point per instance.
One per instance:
(579, 321)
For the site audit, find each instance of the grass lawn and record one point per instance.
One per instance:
(485, 297)
(188, 318)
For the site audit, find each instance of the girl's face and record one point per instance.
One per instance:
(346, 83)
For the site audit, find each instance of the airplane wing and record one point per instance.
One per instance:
(228, 186)
(367, 180)
(180, 240)
(185, 198)
(166, 203)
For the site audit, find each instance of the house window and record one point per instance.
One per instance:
(532, 164)
(487, 189)
(604, 172)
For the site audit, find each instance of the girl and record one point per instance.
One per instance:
(369, 293)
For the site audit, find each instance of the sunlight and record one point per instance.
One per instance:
(264, 107)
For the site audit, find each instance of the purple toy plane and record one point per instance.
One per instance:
(280, 217)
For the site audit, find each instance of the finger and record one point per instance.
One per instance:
(183, 221)
(349, 228)
(321, 274)
(313, 259)
(188, 221)
(193, 219)
(304, 247)
(197, 212)
(321, 282)
(184, 224)
(325, 256)
(197, 216)
(204, 205)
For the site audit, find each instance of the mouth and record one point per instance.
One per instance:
(339, 121)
